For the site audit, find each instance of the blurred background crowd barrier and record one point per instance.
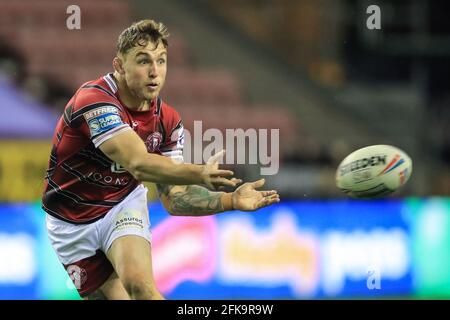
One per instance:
(309, 68)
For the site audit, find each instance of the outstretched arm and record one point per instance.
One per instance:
(128, 150)
(193, 200)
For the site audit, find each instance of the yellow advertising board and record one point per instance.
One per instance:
(22, 169)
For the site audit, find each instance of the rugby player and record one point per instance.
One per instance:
(115, 133)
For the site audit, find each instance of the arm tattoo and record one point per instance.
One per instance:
(193, 200)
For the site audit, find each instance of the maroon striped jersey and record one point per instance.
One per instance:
(82, 184)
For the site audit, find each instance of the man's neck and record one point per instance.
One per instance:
(127, 98)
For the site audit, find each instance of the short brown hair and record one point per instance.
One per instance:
(140, 33)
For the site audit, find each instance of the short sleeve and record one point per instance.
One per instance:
(99, 117)
(104, 123)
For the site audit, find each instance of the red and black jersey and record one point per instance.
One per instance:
(82, 184)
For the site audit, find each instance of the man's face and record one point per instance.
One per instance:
(145, 70)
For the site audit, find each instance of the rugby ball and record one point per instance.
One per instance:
(373, 171)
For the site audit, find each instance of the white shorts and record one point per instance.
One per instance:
(82, 248)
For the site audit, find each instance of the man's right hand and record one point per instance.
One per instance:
(128, 150)
(214, 177)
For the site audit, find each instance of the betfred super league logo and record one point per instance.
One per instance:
(153, 142)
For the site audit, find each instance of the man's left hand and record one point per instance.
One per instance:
(247, 198)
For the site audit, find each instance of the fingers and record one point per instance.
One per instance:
(220, 181)
(268, 193)
(267, 201)
(274, 197)
(237, 181)
(259, 183)
(215, 158)
(221, 173)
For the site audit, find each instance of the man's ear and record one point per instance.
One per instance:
(118, 65)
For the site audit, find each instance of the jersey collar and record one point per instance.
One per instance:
(109, 79)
